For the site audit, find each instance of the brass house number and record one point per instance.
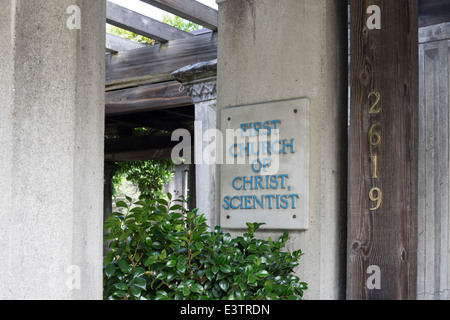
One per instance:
(375, 194)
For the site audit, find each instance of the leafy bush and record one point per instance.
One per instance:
(160, 251)
(149, 176)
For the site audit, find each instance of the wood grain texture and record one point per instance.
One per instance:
(116, 44)
(385, 60)
(142, 155)
(139, 148)
(190, 10)
(146, 98)
(135, 22)
(156, 63)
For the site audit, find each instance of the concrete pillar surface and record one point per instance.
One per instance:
(277, 50)
(200, 80)
(51, 140)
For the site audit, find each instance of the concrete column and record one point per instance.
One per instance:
(51, 141)
(109, 172)
(433, 281)
(272, 50)
(200, 82)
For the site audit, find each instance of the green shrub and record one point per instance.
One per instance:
(160, 251)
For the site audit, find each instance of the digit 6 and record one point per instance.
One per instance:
(374, 137)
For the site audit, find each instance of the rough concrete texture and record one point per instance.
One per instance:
(51, 136)
(200, 80)
(272, 50)
(205, 173)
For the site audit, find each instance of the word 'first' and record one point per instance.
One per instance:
(260, 128)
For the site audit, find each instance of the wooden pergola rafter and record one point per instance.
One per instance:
(138, 77)
(190, 10)
(132, 21)
(139, 89)
(140, 24)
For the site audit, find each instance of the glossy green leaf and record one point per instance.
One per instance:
(186, 291)
(181, 267)
(141, 283)
(252, 278)
(263, 274)
(123, 265)
(121, 286)
(110, 270)
(120, 294)
(162, 208)
(171, 263)
(239, 295)
(161, 295)
(225, 268)
(135, 291)
(121, 204)
(163, 255)
(215, 269)
(138, 272)
(163, 202)
(174, 208)
(171, 276)
(224, 285)
(161, 275)
(209, 274)
(198, 288)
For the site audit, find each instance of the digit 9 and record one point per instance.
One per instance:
(378, 198)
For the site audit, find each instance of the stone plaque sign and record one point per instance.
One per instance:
(265, 175)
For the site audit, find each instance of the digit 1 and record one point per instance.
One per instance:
(374, 167)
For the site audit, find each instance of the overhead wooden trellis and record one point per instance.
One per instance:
(139, 89)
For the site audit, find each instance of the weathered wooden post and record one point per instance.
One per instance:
(382, 241)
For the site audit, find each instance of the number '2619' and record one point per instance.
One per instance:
(374, 137)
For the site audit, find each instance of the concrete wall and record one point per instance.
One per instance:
(271, 50)
(179, 185)
(434, 163)
(51, 141)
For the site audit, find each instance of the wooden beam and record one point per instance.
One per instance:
(433, 12)
(154, 122)
(116, 44)
(156, 63)
(135, 22)
(139, 148)
(190, 10)
(136, 143)
(383, 155)
(151, 154)
(146, 98)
